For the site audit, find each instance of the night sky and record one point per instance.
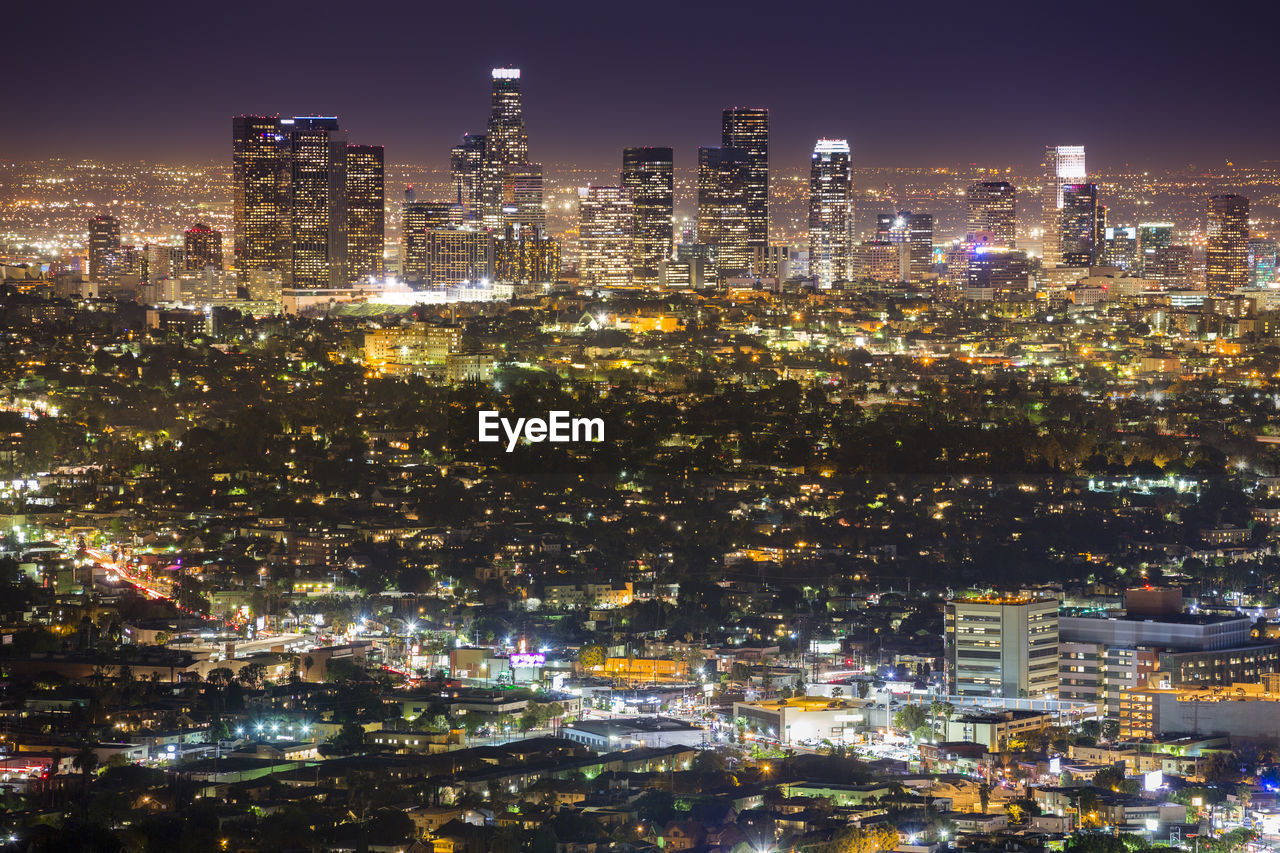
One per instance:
(908, 83)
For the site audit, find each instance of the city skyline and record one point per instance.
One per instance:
(418, 102)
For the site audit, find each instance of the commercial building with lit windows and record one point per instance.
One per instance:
(648, 173)
(1063, 165)
(1227, 253)
(606, 225)
(1002, 646)
(830, 212)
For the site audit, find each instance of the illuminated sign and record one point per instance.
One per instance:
(506, 74)
(529, 659)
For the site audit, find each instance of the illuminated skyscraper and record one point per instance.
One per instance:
(522, 195)
(317, 243)
(649, 175)
(724, 177)
(203, 247)
(830, 212)
(746, 129)
(506, 149)
(457, 255)
(1262, 261)
(606, 227)
(1227, 255)
(260, 192)
(991, 207)
(104, 245)
(466, 173)
(1079, 230)
(419, 217)
(1063, 165)
(366, 202)
(1120, 248)
(915, 230)
(290, 199)
(524, 254)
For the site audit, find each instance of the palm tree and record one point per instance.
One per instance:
(86, 761)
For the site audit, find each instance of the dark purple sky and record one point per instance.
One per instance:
(910, 83)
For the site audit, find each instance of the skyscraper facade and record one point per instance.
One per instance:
(746, 129)
(202, 247)
(260, 192)
(916, 231)
(992, 208)
(104, 244)
(466, 174)
(830, 212)
(649, 175)
(1002, 647)
(366, 202)
(606, 228)
(317, 256)
(724, 178)
(1063, 165)
(1227, 255)
(291, 202)
(506, 148)
(1079, 233)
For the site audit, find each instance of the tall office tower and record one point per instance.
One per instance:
(606, 228)
(1002, 647)
(104, 245)
(830, 212)
(506, 145)
(522, 195)
(159, 261)
(1063, 165)
(317, 256)
(466, 174)
(366, 203)
(1152, 236)
(724, 179)
(260, 192)
(991, 207)
(1079, 243)
(1262, 261)
(880, 261)
(1120, 248)
(457, 255)
(418, 218)
(649, 175)
(1227, 256)
(746, 129)
(916, 231)
(203, 247)
(1169, 265)
(998, 274)
(524, 254)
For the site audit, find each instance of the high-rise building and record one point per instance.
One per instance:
(104, 245)
(1120, 248)
(203, 247)
(417, 219)
(455, 256)
(522, 195)
(724, 177)
(916, 231)
(1003, 647)
(1153, 236)
(506, 146)
(524, 254)
(1262, 261)
(260, 192)
(746, 129)
(1079, 234)
(1063, 165)
(366, 204)
(290, 199)
(992, 208)
(649, 175)
(466, 173)
(879, 261)
(317, 256)
(1227, 255)
(1169, 265)
(830, 212)
(606, 228)
(997, 274)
